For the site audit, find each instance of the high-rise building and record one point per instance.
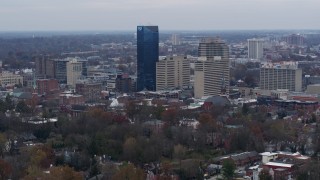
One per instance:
(44, 67)
(60, 68)
(124, 83)
(212, 72)
(255, 48)
(173, 73)
(210, 47)
(175, 39)
(84, 66)
(147, 56)
(74, 72)
(295, 39)
(284, 75)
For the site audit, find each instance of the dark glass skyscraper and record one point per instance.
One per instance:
(147, 56)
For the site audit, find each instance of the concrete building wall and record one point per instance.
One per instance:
(211, 77)
(8, 78)
(281, 77)
(199, 84)
(74, 72)
(255, 48)
(313, 89)
(173, 73)
(213, 67)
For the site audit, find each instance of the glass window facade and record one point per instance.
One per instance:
(147, 56)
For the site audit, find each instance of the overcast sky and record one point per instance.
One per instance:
(52, 15)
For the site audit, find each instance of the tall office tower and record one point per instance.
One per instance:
(147, 56)
(175, 39)
(255, 48)
(84, 66)
(173, 73)
(60, 68)
(212, 72)
(284, 75)
(74, 72)
(44, 67)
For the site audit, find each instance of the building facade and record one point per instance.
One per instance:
(60, 68)
(47, 86)
(295, 39)
(212, 72)
(90, 91)
(74, 72)
(284, 75)
(211, 47)
(44, 67)
(173, 73)
(124, 83)
(175, 38)
(8, 78)
(255, 48)
(147, 56)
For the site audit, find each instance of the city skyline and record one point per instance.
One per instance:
(36, 15)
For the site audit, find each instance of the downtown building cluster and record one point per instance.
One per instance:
(167, 88)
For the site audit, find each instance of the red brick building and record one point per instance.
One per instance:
(90, 91)
(47, 86)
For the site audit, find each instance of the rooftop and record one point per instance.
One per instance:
(279, 164)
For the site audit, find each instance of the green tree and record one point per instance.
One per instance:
(228, 169)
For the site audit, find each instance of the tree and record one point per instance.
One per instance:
(129, 172)
(41, 156)
(60, 172)
(9, 102)
(179, 151)
(245, 109)
(131, 109)
(64, 173)
(228, 169)
(22, 107)
(264, 175)
(170, 116)
(5, 169)
(3, 141)
(94, 170)
(208, 125)
(131, 149)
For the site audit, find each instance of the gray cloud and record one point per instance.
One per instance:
(168, 14)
